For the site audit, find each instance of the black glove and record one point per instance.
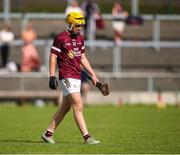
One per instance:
(53, 84)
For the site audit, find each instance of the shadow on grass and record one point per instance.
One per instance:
(19, 141)
(38, 142)
(64, 143)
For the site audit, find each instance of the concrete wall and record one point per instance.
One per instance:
(120, 98)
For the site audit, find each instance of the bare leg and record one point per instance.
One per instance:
(76, 102)
(85, 91)
(59, 115)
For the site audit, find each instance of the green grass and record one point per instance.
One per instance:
(126, 129)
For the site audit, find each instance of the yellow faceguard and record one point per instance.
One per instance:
(75, 18)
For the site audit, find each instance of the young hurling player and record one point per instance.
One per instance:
(68, 51)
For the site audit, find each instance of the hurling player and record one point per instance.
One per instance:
(68, 51)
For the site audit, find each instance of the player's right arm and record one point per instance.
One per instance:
(52, 69)
(52, 64)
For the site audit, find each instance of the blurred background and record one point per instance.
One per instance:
(134, 45)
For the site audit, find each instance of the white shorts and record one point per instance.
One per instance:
(70, 85)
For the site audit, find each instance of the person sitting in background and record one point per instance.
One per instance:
(6, 36)
(118, 23)
(30, 57)
(73, 7)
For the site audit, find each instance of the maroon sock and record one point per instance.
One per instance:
(48, 133)
(86, 136)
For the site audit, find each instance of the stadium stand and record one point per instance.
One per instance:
(136, 59)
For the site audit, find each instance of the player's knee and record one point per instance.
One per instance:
(78, 107)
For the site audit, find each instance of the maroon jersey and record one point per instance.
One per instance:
(69, 50)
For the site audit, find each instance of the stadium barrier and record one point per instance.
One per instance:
(23, 89)
(21, 96)
(134, 97)
(149, 83)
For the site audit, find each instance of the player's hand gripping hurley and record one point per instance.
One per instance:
(102, 87)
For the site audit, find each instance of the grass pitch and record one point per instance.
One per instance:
(125, 129)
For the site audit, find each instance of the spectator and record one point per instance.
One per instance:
(118, 23)
(85, 86)
(91, 11)
(6, 36)
(73, 7)
(30, 57)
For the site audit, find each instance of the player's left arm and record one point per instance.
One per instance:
(85, 63)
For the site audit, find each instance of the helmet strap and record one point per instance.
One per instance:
(70, 27)
(73, 34)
